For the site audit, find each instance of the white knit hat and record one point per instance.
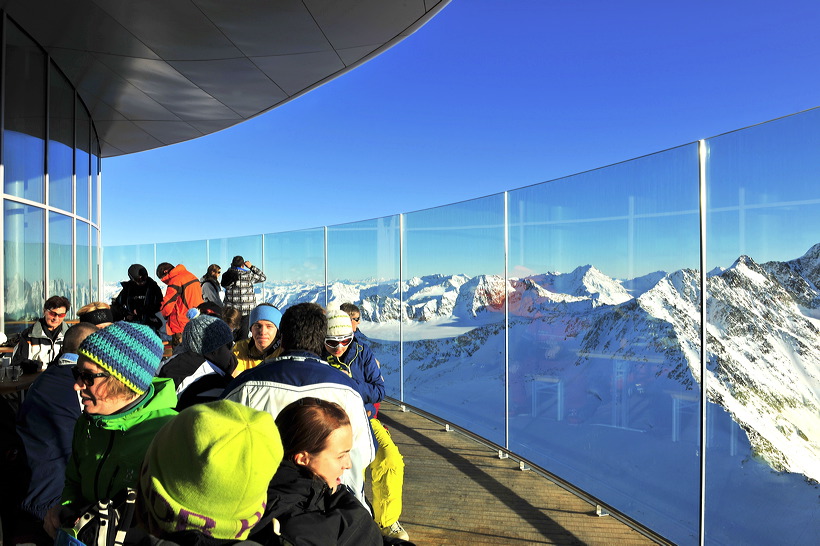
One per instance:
(339, 325)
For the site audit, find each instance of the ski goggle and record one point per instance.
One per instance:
(333, 343)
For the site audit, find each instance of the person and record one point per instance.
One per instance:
(238, 283)
(344, 352)
(123, 407)
(203, 368)
(183, 293)
(300, 372)
(306, 494)
(355, 315)
(211, 291)
(97, 313)
(139, 300)
(41, 342)
(265, 341)
(44, 423)
(233, 318)
(222, 498)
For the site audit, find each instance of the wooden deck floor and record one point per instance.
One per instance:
(457, 491)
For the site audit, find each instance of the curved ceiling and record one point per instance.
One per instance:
(157, 72)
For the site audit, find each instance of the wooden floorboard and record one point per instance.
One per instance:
(457, 491)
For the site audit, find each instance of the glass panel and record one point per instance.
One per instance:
(604, 330)
(222, 251)
(453, 294)
(61, 140)
(763, 241)
(83, 158)
(25, 117)
(117, 260)
(83, 295)
(363, 268)
(59, 256)
(192, 254)
(95, 264)
(23, 248)
(295, 267)
(96, 179)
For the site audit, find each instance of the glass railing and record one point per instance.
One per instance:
(564, 321)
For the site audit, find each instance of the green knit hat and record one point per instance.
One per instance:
(128, 351)
(208, 470)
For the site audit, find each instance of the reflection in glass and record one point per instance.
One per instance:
(603, 334)
(83, 160)
(763, 303)
(453, 292)
(295, 267)
(60, 140)
(23, 273)
(60, 236)
(83, 264)
(95, 264)
(96, 179)
(25, 116)
(363, 269)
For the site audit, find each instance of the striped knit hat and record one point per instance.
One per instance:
(339, 325)
(128, 351)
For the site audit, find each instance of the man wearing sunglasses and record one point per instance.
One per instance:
(41, 342)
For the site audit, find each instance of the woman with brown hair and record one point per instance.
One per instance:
(211, 291)
(306, 494)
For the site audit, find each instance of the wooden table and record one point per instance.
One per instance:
(18, 388)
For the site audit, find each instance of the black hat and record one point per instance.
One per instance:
(136, 271)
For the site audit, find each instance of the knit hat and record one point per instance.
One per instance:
(338, 324)
(208, 470)
(136, 271)
(205, 333)
(97, 316)
(265, 312)
(129, 351)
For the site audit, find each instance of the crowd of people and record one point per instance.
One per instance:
(260, 426)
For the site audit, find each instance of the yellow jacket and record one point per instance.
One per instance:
(248, 356)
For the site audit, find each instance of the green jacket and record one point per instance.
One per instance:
(108, 450)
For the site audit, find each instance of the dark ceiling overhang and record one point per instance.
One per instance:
(157, 72)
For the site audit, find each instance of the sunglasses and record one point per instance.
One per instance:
(333, 343)
(55, 315)
(357, 319)
(87, 377)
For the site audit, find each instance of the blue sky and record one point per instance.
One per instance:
(488, 96)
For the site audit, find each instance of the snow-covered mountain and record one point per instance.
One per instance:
(762, 337)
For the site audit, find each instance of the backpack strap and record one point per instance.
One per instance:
(181, 292)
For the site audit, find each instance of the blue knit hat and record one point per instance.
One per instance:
(128, 351)
(267, 312)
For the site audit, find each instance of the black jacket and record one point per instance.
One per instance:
(138, 303)
(309, 514)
